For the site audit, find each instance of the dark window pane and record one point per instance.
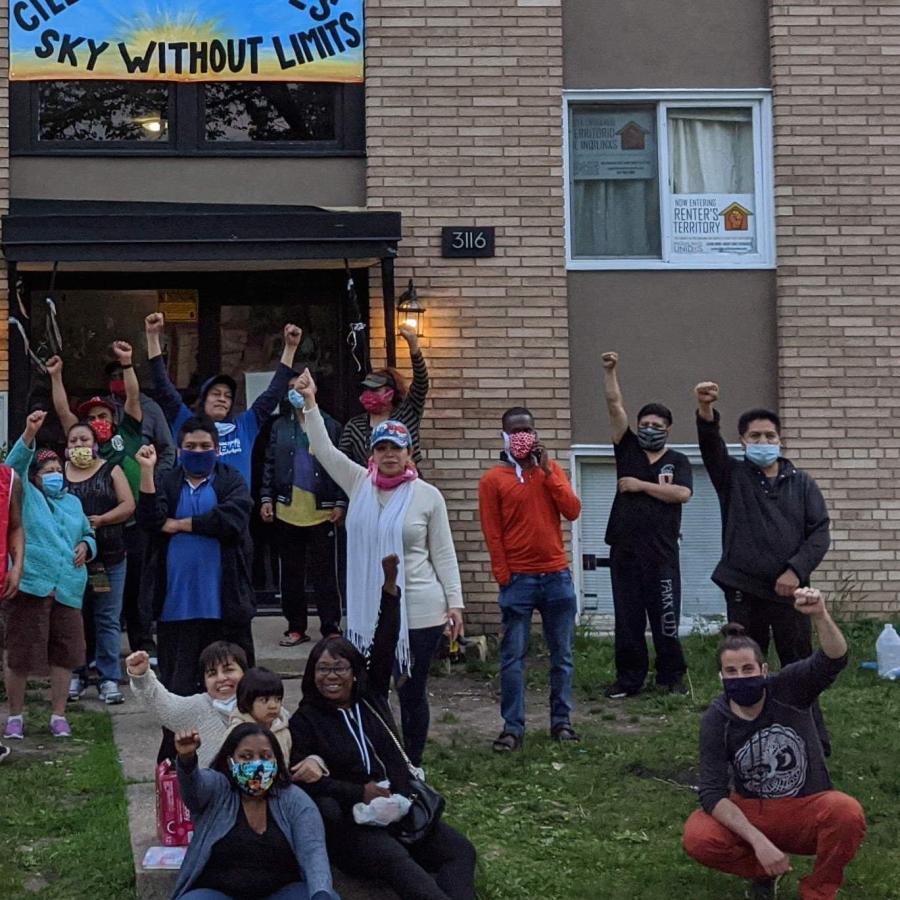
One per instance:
(102, 111)
(265, 111)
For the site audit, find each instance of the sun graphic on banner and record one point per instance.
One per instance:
(181, 26)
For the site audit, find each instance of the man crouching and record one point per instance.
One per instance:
(783, 801)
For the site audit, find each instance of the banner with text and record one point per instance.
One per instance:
(617, 146)
(186, 40)
(705, 224)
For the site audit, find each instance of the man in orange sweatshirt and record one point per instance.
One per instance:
(520, 502)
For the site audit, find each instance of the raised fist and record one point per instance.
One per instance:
(809, 601)
(34, 423)
(154, 323)
(122, 350)
(292, 335)
(146, 456)
(187, 743)
(707, 393)
(54, 366)
(409, 335)
(307, 387)
(610, 360)
(138, 663)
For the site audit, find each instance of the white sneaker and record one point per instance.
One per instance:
(77, 686)
(110, 693)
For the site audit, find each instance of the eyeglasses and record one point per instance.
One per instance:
(333, 670)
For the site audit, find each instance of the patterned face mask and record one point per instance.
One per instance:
(256, 777)
(81, 457)
(102, 429)
(521, 444)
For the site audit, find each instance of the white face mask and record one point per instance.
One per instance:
(225, 706)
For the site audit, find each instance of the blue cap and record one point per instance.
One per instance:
(393, 431)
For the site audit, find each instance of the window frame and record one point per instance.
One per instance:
(759, 100)
(188, 136)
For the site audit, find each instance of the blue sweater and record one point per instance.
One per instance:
(213, 803)
(53, 528)
(236, 436)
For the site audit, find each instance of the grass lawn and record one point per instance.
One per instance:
(63, 822)
(603, 819)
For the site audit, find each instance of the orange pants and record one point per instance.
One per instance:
(829, 826)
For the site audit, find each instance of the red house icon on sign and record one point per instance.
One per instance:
(633, 136)
(736, 217)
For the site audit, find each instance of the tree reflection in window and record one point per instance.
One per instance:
(270, 111)
(102, 111)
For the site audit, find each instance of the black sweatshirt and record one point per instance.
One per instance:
(318, 726)
(766, 527)
(779, 753)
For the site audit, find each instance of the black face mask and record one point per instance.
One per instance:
(745, 691)
(651, 438)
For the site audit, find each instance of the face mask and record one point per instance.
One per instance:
(198, 462)
(762, 455)
(102, 429)
(254, 778)
(745, 691)
(652, 438)
(521, 444)
(377, 402)
(296, 399)
(225, 706)
(117, 387)
(53, 483)
(81, 457)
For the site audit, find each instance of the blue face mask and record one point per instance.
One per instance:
(296, 399)
(254, 778)
(198, 462)
(53, 484)
(762, 455)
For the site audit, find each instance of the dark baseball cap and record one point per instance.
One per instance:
(376, 380)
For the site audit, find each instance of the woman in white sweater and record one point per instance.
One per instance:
(392, 511)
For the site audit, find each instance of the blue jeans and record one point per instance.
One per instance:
(415, 714)
(297, 890)
(553, 595)
(103, 625)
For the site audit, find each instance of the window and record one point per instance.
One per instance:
(666, 180)
(153, 118)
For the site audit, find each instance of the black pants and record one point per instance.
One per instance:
(415, 714)
(138, 617)
(440, 867)
(180, 646)
(790, 630)
(307, 554)
(646, 588)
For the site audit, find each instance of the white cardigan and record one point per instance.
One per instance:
(433, 583)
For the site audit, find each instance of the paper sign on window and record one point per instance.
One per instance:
(610, 145)
(704, 224)
(186, 40)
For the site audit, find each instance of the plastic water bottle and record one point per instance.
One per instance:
(887, 648)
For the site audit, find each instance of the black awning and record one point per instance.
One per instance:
(101, 231)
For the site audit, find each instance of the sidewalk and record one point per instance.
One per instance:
(137, 737)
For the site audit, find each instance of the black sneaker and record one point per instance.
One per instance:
(564, 733)
(766, 889)
(617, 691)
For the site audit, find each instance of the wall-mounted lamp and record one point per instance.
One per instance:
(410, 312)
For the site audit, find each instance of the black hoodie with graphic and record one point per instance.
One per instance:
(779, 753)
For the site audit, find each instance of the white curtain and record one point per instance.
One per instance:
(711, 151)
(616, 217)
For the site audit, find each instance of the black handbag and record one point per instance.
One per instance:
(427, 804)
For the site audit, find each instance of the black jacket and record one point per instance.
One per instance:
(766, 528)
(286, 439)
(229, 522)
(318, 727)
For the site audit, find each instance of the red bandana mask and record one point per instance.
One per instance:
(102, 429)
(377, 402)
(521, 444)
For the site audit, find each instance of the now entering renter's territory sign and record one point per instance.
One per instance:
(187, 40)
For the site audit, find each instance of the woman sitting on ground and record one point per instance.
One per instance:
(256, 835)
(222, 666)
(345, 719)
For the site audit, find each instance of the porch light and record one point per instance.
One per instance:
(410, 312)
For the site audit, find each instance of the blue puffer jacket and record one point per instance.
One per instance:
(53, 528)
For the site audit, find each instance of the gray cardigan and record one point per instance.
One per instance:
(213, 804)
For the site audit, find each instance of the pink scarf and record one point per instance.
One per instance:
(389, 482)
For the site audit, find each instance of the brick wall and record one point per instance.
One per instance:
(464, 127)
(836, 76)
(4, 181)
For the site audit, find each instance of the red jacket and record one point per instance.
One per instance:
(520, 521)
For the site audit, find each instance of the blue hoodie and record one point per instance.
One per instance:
(236, 434)
(53, 528)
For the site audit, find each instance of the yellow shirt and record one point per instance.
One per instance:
(302, 511)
